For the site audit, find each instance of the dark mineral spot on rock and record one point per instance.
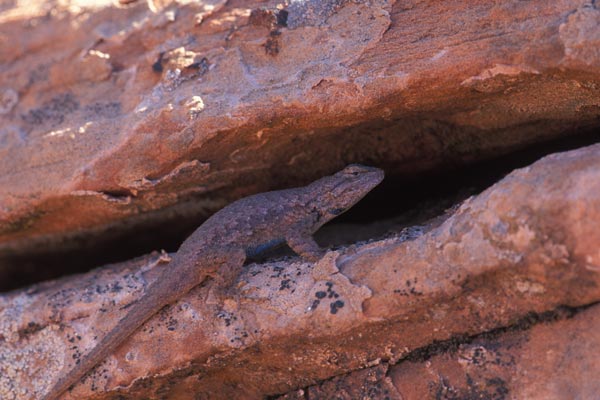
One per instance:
(52, 111)
(314, 304)
(116, 288)
(32, 327)
(103, 109)
(277, 272)
(272, 46)
(285, 284)
(282, 16)
(157, 66)
(201, 66)
(172, 324)
(335, 306)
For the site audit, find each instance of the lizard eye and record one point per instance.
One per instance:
(353, 170)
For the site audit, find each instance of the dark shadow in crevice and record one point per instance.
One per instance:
(522, 324)
(397, 203)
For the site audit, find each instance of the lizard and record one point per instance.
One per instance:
(219, 247)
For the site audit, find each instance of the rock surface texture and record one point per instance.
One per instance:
(499, 257)
(111, 115)
(552, 360)
(116, 116)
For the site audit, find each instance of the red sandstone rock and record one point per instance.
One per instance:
(113, 114)
(554, 359)
(502, 255)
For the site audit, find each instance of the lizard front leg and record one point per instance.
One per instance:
(304, 245)
(227, 264)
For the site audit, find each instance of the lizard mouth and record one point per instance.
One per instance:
(355, 182)
(336, 211)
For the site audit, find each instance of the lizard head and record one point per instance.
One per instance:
(337, 193)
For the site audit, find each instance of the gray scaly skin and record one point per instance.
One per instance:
(218, 248)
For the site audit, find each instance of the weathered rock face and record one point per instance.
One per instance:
(112, 114)
(500, 256)
(117, 117)
(552, 360)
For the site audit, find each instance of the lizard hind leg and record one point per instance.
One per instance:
(305, 246)
(227, 266)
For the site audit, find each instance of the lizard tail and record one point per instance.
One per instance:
(159, 294)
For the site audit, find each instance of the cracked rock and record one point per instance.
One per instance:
(500, 256)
